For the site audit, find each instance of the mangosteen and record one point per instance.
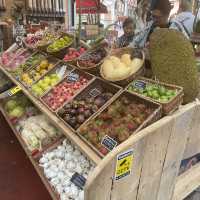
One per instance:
(80, 118)
(61, 112)
(67, 117)
(73, 111)
(89, 100)
(67, 106)
(87, 113)
(107, 95)
(81, 110)
(72, 121)
(99, 101)
(76, 126)
(94, 108)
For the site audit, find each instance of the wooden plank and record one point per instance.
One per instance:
(75, 139)
(101, 180)
(41, 175)
(154, 157)
(182, 123)
(130, 183)
(187, 183)
(193, 143)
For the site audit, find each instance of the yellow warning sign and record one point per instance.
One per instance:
(124, 164)
(14, 90)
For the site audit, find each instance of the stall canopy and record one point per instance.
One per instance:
(90, 7)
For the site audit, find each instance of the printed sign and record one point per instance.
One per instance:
(140, 84)
(14, 90)
(124, 164)
(108, 143)
(78, 180)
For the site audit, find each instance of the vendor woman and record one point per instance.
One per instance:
(127, 37)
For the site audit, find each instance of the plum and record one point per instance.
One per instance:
(80, 118)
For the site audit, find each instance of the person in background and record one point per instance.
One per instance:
(127, 37)
(184, 21)
(159, 19)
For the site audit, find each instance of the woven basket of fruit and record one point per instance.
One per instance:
(123, 65)
(59, 46)
(66, 89)
(92, 59)
(87, 103)
(118, 121)
(169, 96)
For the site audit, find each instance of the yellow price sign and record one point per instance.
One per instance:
(14, 90)
(124, 164)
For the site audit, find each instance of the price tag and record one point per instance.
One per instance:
(78, 180)
(94, 92)
(140, 84)
(72, 77)
(124, 164)
(108, 143)
(14, 90)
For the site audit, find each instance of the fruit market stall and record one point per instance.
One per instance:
(93, 128)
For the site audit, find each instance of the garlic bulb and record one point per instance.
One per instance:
(60, 165)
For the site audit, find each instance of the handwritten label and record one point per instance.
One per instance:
(124, 164)
(108, 143)
(72, 77)
(78, 180)
(94, 92)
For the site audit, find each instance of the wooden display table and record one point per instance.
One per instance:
(157, 154)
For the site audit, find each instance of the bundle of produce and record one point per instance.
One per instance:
(60, 44)
(18, 107)
(7, 56)
(28, 78)
(122, 66)
(37, 132)
(118, 121)
(60, 165)
(92, 59)
(64, 91)
(73, 54)
(173, 61)
(88, 102)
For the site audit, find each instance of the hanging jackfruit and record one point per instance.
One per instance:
(173, 61)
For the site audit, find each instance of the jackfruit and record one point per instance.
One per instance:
(173, 61)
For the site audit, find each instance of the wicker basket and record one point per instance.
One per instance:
(156, 115)
(95, 68)
(168, 107)
(126, 80)
(96, 84)
(61, 53)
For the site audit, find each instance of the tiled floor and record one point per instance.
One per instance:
(18, 179)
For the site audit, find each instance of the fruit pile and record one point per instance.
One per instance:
(45, 84)
(32, 39)
(59, 44)
(114, 68)
(16, 62)
(73, 53)
(78, 111)
(47, 38)
(16, 106)
(91, 59)
(118, 121)
(36, 73)
(154, 91)
(63, 92)
(32, 61)
(6, 56)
